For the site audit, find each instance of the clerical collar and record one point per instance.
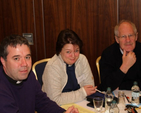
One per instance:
(12, 81)
(69, 65)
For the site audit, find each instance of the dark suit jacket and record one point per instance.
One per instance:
(112, 76)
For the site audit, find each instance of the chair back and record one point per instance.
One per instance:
(98, 68)
(38, 69)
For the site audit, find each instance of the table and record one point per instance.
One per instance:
(83, 104)
(126, 92)
(129, 94)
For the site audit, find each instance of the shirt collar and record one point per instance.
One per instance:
(15, 82)
(121, 51)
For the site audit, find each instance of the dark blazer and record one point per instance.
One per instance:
(112, 76)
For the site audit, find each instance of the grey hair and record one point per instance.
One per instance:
(116, 30)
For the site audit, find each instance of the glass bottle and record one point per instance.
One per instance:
(108, 99)
(114, 108)
(135, 93)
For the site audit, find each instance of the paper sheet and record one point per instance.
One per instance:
(80, 109)
(138, 109)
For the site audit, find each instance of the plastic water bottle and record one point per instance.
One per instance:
(108, 99)
(135, 93)
(114, 108)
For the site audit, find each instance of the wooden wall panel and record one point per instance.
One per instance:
(39, 36)
(131, 10)
(92, 20)
(16, 17)
(1, 20)
(24, 16)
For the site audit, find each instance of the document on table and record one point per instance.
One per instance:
(80, 109)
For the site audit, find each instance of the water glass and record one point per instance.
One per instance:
(121, 97)
(121, 100)
(98, 104)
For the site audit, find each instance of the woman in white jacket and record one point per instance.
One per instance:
(67, 77)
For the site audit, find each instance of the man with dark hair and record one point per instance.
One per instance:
(20, 92)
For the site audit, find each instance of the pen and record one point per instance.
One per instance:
(100, 91)
(127, 99)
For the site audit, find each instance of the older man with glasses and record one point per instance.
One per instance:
(120, 63)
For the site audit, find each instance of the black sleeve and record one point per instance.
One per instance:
(111, 75)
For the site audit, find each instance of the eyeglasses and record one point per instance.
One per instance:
(125, 36)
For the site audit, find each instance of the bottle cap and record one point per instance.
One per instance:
(114, 101)
(108, 89)
(135, 83)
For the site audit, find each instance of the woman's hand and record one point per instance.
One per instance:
(72, 110)
(90, 89)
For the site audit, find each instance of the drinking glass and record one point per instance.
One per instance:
(121, 97)
(98, 104)
(121, 100)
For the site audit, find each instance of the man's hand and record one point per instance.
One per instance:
(90, 89)
(72, 110)
(128, 60)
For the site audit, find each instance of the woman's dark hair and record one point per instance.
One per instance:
(67, 37)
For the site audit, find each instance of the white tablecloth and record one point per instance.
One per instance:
(84, 102)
